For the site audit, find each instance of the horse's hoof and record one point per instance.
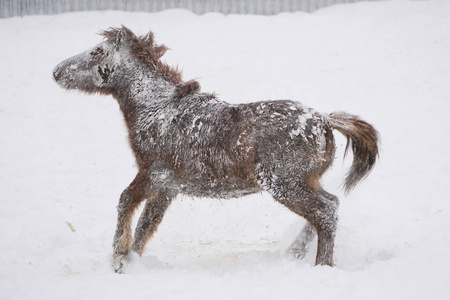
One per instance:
(297, 254)
(328, 262)
(119, 267)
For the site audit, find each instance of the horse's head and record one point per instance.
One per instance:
(98, 69)
(121, 58)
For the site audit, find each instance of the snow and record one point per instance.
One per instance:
(64, 158)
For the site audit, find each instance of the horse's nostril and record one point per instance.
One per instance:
(55, 73)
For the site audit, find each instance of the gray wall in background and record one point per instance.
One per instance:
(12, 8)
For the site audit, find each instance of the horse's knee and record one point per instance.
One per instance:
(128, 201)
(125, 209)
(124, 203)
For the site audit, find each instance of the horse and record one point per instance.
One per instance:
(189, 142)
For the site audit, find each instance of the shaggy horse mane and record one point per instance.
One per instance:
(151, 53)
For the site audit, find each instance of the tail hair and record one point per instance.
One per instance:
(363, 139)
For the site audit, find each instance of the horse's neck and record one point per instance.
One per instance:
(145, 93)
(153, 95)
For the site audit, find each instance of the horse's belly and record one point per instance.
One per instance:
(220, 188)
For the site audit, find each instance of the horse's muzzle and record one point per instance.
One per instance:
(56, 74)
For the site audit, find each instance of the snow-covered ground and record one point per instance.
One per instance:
(64, 158)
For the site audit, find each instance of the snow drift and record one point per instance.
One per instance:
(65, 159)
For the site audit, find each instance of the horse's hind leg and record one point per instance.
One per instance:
(150, 218)
(321, 212)
(329, 196)
(300, 246)
(129, 201)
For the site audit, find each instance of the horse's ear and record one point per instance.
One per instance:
(119, 36)
(124, 35)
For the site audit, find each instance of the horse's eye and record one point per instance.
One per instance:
(97, 51)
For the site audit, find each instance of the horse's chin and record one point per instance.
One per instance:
(67, 84)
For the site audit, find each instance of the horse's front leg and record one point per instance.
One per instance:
(129, 200)
(151, 217)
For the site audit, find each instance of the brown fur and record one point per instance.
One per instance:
(363, 139)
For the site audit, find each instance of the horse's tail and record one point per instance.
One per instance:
(363, 139)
